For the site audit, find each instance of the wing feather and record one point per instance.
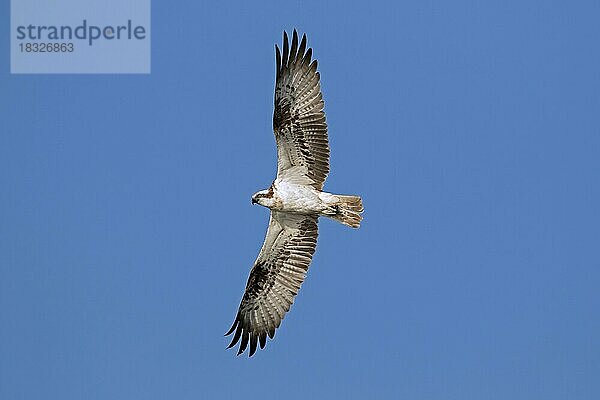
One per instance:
(299, 121)
(275, 279)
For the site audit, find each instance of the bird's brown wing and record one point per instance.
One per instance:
(298, 119)
(275, 279)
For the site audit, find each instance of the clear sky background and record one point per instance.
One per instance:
(471, 129)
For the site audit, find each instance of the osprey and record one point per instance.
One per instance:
(295, 198)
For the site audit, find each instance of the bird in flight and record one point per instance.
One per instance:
(295, 198)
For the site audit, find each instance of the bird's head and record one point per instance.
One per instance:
(264, 198)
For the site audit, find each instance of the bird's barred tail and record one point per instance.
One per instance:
(348, 209)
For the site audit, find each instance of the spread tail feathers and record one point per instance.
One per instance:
(348, 209)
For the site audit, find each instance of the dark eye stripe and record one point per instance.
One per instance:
(267, 195)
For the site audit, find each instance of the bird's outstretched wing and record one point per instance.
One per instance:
(298, 119)
(275, 279)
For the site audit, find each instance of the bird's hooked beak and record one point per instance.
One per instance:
(254, 201)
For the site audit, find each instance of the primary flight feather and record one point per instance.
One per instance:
(295, 198)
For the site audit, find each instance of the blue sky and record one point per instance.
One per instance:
(471, 129)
